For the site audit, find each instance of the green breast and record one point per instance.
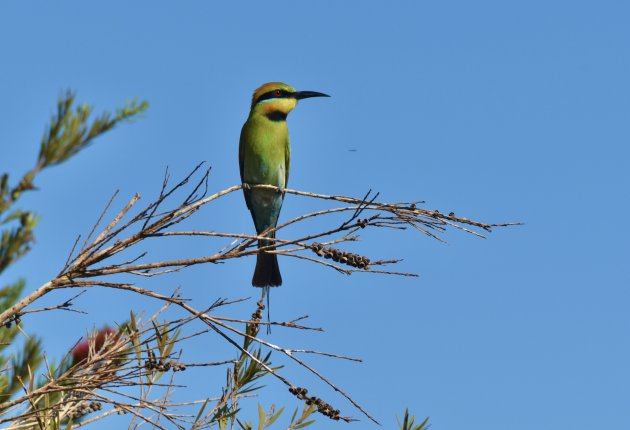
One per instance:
(264, 149)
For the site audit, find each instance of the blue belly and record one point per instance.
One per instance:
(265, 207)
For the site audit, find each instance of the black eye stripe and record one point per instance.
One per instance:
(272, 95)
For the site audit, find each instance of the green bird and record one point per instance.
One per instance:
(264, 157)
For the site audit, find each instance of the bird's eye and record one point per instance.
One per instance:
(277, 93)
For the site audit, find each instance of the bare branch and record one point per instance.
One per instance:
(140, 356)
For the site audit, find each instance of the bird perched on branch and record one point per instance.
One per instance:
(264, 157)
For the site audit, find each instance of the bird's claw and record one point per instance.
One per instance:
(246, 186)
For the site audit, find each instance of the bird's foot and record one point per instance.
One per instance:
(246, 186)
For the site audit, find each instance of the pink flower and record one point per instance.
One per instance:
(81, 351)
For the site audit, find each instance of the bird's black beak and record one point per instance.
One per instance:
(299, 95)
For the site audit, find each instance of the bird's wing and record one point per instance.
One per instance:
(241, 166)
(240, 156)
(287, 162)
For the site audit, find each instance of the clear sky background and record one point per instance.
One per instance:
(499, 111)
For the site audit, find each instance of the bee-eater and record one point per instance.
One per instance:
(264, 156)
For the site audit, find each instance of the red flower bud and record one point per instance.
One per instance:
(81, 351)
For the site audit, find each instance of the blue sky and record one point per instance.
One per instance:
(500, 111)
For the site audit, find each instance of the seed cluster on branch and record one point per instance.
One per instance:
(343, 257)
(322, 407)
(258, 314)
(84, 407)
(252, 327)
(155, 365)
(13, 319)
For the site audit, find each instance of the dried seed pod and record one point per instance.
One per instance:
(178, 367)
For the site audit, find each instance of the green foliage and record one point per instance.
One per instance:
(8, 296)
(242, 378)
(29, 356)
(71, 130)
(267, 419)
(22, 366)
(301, 421)
(159, 356)
(16, 241)
(240, 381)
(409, 423)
